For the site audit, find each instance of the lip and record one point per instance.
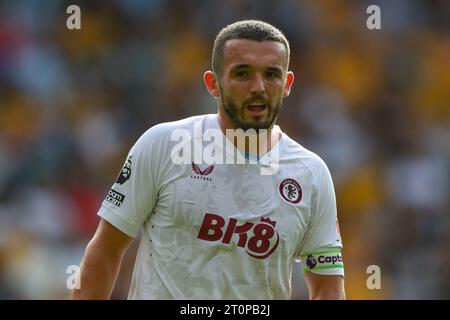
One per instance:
(257, 109)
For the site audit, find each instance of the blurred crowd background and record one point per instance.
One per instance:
(374, 104)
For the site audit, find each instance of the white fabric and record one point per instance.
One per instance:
(169, 202)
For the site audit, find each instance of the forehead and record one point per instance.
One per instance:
(254, 53)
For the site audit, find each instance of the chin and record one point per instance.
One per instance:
(256, 125)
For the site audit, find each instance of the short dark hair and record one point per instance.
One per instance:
(247, 29)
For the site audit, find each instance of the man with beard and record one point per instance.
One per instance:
(223, 230)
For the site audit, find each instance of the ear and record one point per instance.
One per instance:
(210, 79)
(289, 82)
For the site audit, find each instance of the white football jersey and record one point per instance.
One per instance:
(223, 231)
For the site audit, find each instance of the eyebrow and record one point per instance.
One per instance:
(276, 69)
(240, 66)
(246, 66)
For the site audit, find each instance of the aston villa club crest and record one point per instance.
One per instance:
(201, 174)
(290, 191)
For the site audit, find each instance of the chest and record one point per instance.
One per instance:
(236, 205)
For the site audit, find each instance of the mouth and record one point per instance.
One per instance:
(256, 108)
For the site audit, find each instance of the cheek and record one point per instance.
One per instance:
(234, 92)
(276, 92)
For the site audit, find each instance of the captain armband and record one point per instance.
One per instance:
(323, 260)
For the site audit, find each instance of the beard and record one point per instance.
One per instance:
(238, 116)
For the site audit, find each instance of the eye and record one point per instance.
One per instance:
(242, 73)
(272, 74)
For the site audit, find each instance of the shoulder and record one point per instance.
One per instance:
(166, 132)
(312, 162)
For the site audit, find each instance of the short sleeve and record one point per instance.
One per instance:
(133, 195)
(320, 251)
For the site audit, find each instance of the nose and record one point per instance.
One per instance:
(258, 85)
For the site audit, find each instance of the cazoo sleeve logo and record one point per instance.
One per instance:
(259, 240)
